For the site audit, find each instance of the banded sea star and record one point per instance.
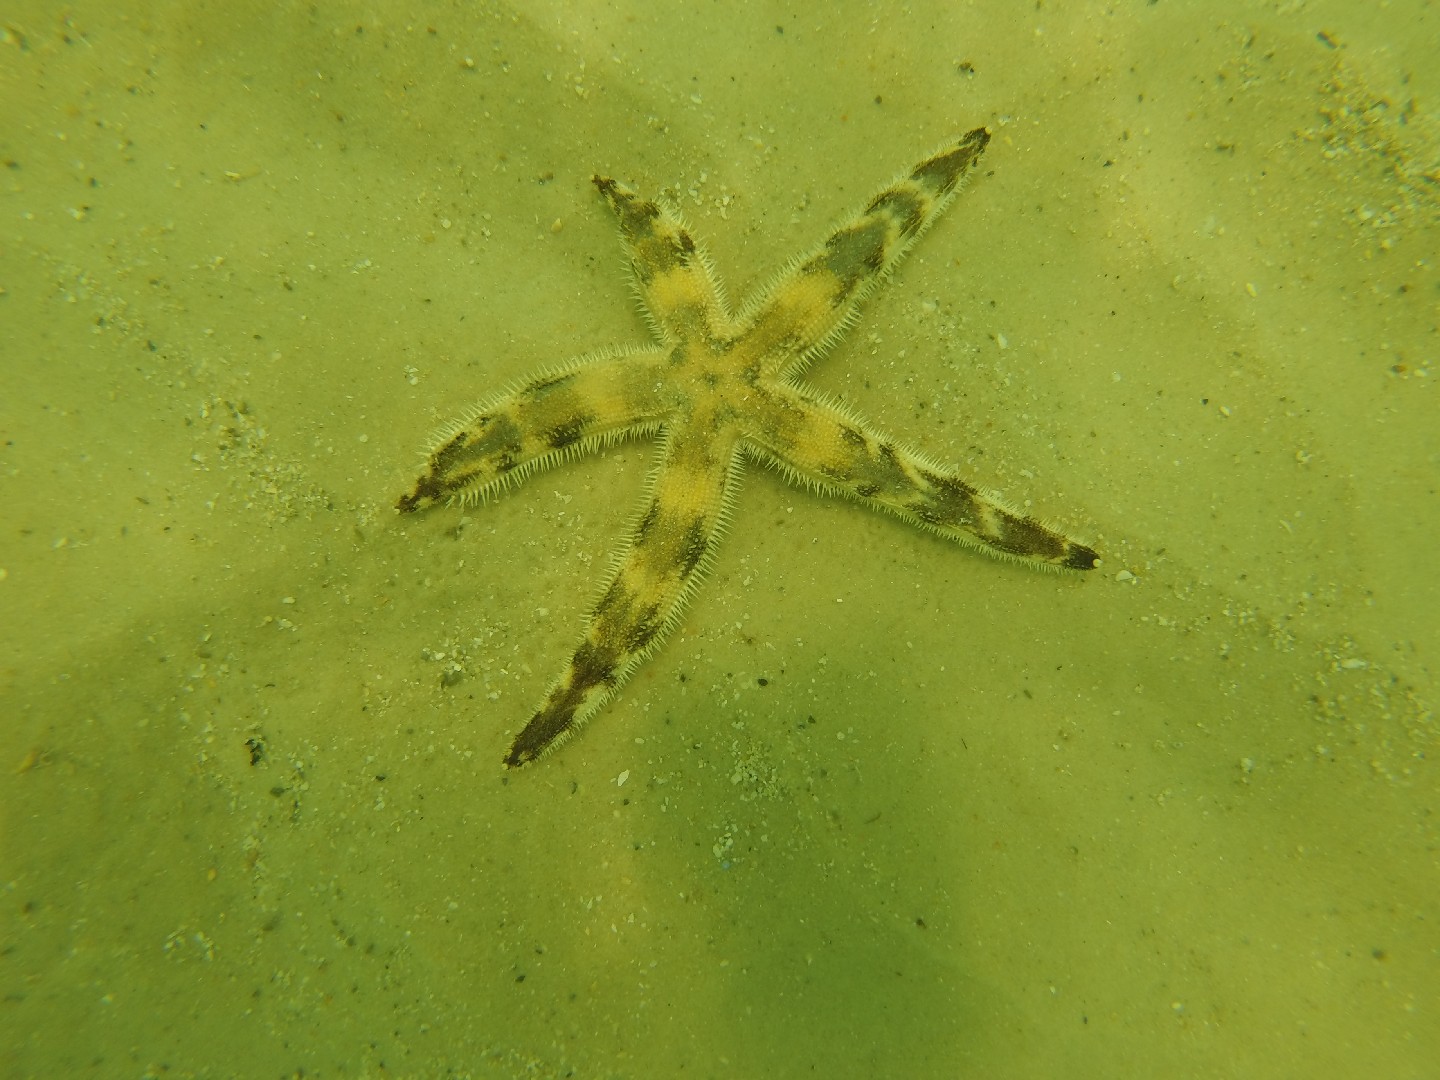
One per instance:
(717, 388)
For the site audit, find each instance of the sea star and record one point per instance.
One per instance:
(718, 388)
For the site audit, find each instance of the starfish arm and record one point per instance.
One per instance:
(824, 445)
(673, 541)
(674, 281)
(813, 301)
(552, 416)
